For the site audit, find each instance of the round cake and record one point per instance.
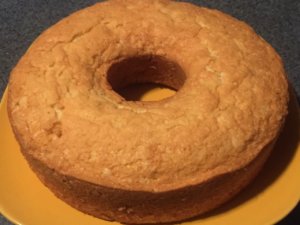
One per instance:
(147, 162)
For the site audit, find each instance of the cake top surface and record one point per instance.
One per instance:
(231, 104)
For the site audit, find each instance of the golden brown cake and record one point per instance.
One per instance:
(147, 162)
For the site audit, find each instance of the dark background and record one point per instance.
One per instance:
(277, 21)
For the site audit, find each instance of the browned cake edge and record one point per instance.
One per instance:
(136, 207)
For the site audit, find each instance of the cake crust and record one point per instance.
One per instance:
(81, 137)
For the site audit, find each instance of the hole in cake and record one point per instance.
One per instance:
(146, 78)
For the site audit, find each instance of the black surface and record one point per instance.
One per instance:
(277, 21)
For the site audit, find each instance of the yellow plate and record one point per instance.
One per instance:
(24, 200)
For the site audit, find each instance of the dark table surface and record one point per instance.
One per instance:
(277, 21)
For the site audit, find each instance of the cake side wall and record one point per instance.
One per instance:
(147, 207)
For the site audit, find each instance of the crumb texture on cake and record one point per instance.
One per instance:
(231, 105)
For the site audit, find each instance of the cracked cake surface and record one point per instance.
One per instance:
(229, 106)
